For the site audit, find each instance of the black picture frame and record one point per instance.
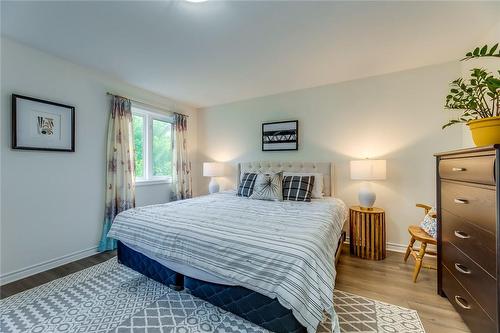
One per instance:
(289, 140)
(14, 127)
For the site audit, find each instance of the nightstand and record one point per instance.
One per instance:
(367, 232)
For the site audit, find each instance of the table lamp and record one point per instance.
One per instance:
(367, 170)
(213, 169)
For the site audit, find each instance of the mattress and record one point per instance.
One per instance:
(282, 250)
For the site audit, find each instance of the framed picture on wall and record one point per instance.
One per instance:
(280, 135)
(42, 125)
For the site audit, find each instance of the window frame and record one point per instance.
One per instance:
(149, 114)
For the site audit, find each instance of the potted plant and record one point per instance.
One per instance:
(478, 100)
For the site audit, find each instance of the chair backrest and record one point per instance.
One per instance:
(427, 208)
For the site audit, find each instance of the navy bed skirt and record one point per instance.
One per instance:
(149, 267)
(248, 304)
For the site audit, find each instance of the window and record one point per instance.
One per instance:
(153, 145)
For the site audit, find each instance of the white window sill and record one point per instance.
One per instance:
(153, 182)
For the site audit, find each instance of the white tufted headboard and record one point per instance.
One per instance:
(275, 166)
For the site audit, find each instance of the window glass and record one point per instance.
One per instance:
(153, 145)
(138, 129)
(162, 148)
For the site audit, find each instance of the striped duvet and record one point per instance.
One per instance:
(282, 250)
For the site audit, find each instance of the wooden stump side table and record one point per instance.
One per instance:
(367, 232)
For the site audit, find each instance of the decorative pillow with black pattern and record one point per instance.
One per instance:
(245, 189)
(298, 188)
(268, 187)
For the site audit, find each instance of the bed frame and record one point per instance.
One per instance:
(248, 304)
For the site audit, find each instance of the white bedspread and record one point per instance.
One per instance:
(283, 250)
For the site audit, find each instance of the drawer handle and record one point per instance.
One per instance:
(461, 234)
(458, 169)
(462, 269)
(462, 303)
(460, 201)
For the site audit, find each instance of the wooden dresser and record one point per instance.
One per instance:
(468, 234)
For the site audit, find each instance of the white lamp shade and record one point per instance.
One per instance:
(368, 170)
(213, 169)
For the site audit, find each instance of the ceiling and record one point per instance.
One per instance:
(222, 51)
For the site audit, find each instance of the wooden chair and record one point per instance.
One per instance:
(418, 234)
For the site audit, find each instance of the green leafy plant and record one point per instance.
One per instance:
(483, 52)
(479, 96)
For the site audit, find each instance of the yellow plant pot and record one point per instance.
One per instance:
(485, 131)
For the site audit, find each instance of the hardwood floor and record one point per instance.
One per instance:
(387, 280)
(390, 281)
(52, 274)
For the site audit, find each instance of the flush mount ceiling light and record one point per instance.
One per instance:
(195, 1)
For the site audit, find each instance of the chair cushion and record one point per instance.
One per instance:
(429, 223)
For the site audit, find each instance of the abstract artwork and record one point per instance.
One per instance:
(42, 125)
(45, 125)
(281, 135)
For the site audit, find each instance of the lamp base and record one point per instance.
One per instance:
(366, 196)
(213, 186)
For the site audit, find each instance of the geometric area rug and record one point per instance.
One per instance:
(110, 297)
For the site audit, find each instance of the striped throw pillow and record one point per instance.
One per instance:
(247, 182)
(298, 188)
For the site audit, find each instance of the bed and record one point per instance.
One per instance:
(269, 262)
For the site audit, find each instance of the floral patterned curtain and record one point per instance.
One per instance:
(183, 184)
(120, 175)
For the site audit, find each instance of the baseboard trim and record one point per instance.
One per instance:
(394, 247)
(46, 265)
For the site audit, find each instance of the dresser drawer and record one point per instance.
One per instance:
(472, 277)
(473, 203)
(473, 241)
(477, 320)
(479, 169)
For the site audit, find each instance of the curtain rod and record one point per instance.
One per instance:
(145, 103)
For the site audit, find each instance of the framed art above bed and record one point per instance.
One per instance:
(280, 135)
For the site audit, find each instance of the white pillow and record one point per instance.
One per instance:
(268, 187)
(317, 191)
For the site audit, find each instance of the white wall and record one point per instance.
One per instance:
(397, 117)
(53, 203)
